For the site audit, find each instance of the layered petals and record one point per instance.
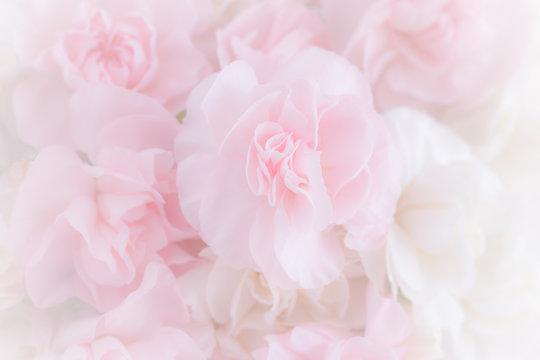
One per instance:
(299, 162)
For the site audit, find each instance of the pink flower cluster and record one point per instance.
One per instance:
(176, 136)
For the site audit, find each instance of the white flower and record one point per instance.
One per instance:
(441, 221)
(487, 126)
(503, 318)
(244, 307)
(463, 251)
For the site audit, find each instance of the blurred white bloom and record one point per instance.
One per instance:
(463, 251)
(244, 306)
(502, 313)
(487, 126)
(442, 219)
(503, 318)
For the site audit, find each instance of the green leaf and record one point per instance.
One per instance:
(180, 117)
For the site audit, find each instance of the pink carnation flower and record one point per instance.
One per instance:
(90, 231)
(273, 175)
(145, 46)
(429, 53)
(270, 33)
(146, 325)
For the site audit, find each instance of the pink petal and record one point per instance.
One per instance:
(107, 116)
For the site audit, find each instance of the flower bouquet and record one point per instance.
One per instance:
(271, 179)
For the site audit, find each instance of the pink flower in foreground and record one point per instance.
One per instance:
(386, 330)
(432, 53)
(269, 33)
(272, 175)
(90, 231)
(145, 46)
(146, 325)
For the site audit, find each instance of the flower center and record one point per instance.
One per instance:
(104, 51)
(271, 162)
